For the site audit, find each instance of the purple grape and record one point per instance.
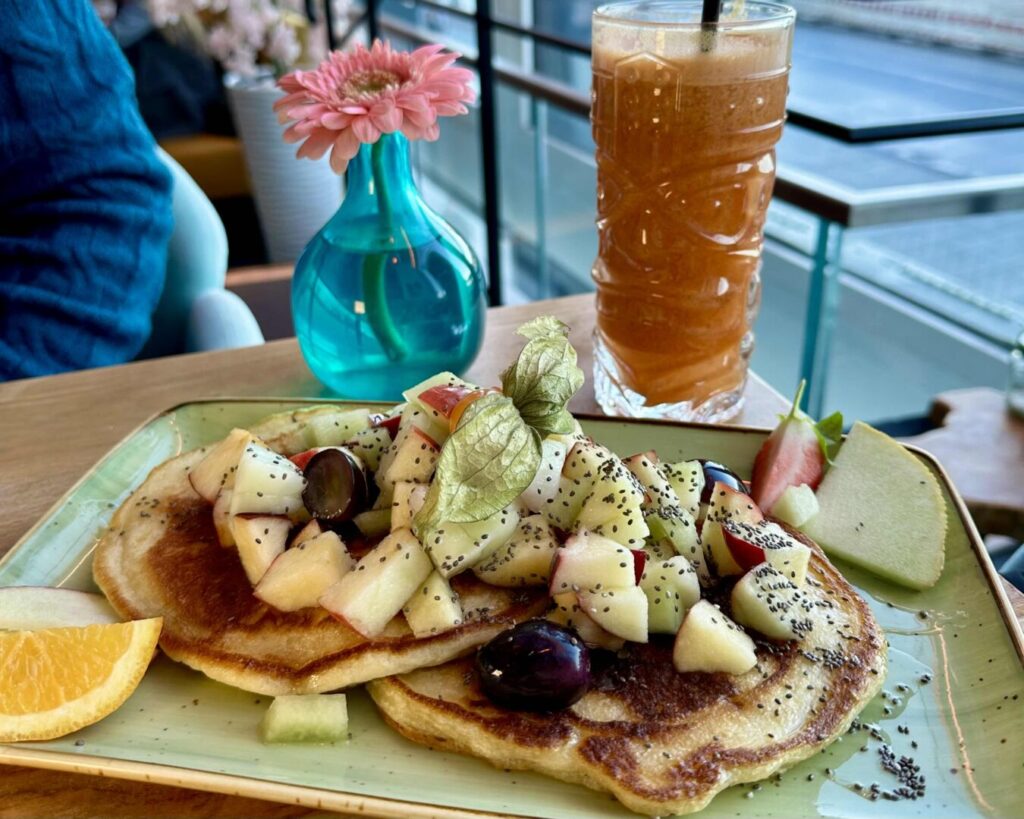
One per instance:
(336, 487)
(536, 666)
(716, 472)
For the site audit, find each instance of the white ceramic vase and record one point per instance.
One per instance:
(294, 197)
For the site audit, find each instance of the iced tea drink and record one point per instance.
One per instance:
(686, 119)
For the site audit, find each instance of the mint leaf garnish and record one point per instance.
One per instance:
(830, 434)
(484, 465)
(544, 377)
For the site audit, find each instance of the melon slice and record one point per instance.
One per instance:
(881, 508)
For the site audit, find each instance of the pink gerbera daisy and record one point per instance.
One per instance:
(353, 97)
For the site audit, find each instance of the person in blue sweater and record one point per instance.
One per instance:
(85, 203)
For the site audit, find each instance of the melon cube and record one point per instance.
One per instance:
(796, 505)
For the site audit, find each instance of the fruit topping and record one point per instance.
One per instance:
(613, 507)
(709, 641)
(373, 592)
(687, 480)
(525, 560)
(714, 472)
(542, 490)
(795, 453)
(621, 611)
(217, 470)
(675, 528)
(433, 607)
(796, 506)
(260, 539)
(766, 601)
(590, 562)
(536, 666)
(336, 487)
(455, 547)
(726, 505)
(267, 483)
(567, 612)
(335, 427)
(671, 587)
(751, 544)
(406, 501)
(882, 508)
(297, 577)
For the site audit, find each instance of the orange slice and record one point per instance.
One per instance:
(57, 680)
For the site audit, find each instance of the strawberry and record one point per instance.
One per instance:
(796, 452)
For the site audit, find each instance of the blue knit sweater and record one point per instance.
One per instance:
(84, 201)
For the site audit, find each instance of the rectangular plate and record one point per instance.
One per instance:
(183, 729)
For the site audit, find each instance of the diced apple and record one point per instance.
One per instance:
(369, 445)
(307, 532)
(222, 518)
(591, 562)
(583, 461)
(414, 395)
(726, 505)
(217, 470)
(408, 499)
(373, 522)
(709, 641)
(433, 608)
(687, 480)
(267, 483)
(335, 427)
(567, 612)
(672, 588)
(648, 471)
(621, 611)
(455, 547)
(659, 549)
(443, 399)
(562, 509)
(751, 544)
(315, 718)
(260, 539)
(390, 423)
(882, 509)
(675, 525)
(613, 506)
(367, 597)
(542, 490)
(414, 460)
(766, 601)
(412, 418)
(796, 505)
(525, 560)
(297, 577)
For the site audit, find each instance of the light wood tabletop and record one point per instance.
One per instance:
(54, 429)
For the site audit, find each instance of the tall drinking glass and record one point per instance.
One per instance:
(686, 117)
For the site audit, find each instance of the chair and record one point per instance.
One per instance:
(195, 312)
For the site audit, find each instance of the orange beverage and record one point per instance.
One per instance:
(686, 119)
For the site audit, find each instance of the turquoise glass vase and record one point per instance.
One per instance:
(387, 293)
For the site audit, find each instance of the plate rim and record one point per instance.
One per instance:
(321, 798)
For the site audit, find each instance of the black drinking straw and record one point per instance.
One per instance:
(708, 21)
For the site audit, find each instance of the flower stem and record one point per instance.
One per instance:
(374, 266)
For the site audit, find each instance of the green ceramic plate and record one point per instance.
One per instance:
(963, 727)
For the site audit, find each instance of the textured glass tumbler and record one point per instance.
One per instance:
(685, 118)
(387, 293)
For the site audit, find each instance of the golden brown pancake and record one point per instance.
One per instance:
(664, 742)
(161, 558)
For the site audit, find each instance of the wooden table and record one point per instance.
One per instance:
(53, 429)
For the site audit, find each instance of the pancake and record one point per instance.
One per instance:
(660, 741)
(160, 558)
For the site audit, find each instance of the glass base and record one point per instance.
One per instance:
(615, 398)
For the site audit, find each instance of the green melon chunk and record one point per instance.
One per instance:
(881, 508)
(306, 718)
